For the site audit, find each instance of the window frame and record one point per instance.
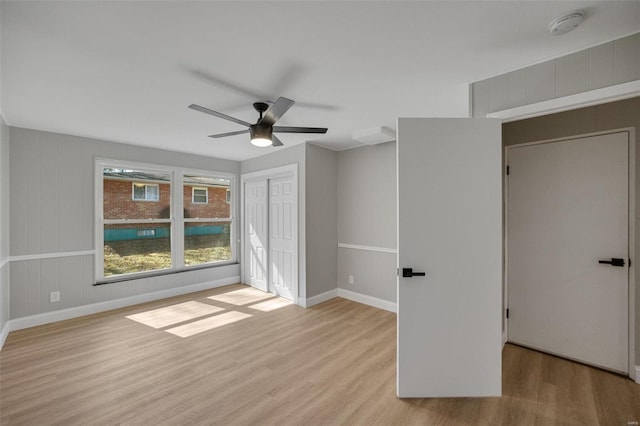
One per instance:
(193, 194)
(176, 218)
(146, 192)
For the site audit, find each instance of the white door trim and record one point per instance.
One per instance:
(277, 172)
(631, 226)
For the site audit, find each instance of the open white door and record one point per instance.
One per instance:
(450, 227)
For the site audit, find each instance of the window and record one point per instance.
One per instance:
(207, 221)
(188, 225)
(200, 195)
(145, 192)
(228, 196)
(146, 232)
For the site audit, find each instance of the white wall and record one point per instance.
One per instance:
(4, 230)
(52, 211)
(367, 217)
(321, 221)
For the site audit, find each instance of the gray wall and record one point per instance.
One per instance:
(4, 224)
(606, 65)
(367, 217)
(284, 157)
(52, 211)
(322, 212)
(615, 115)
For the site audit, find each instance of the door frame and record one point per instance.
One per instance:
(630, 131)
(268, 174)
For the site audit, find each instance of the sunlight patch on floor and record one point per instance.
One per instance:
(169, 315)
(271, 305)
(241, 297)
(207, 324)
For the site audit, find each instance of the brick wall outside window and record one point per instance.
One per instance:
(216, 207)
(119, 204)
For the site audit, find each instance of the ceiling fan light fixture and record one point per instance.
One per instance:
(261, 135)
(261, 142)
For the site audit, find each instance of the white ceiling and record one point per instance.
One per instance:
(126, 71)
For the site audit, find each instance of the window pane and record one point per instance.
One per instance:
(151, 194)
(206, 242)
(136, 248)
(206, 197)
(138, 191)
(199, 195)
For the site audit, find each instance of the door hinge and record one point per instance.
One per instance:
(508, 170)
(507, 312)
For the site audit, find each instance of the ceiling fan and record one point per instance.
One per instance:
(262, 131)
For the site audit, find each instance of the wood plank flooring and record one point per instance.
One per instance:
(330, 364)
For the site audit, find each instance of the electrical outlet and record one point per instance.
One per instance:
(351, 279)
(54, 296)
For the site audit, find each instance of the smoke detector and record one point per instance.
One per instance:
(565, 23)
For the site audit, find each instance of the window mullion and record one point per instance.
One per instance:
(178, 220)
(133, 221)
(208, 219)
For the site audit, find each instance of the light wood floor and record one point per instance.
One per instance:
(330, 364)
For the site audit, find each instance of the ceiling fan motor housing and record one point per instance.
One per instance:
(260, 131)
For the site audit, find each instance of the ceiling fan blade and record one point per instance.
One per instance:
(276, 111)
(218, 114)
(222, 135)
(275, 141)
(288, 129)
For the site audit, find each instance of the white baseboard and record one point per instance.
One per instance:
(94, 308)
(322, 297)
(4, 332)
(368, 300)
(637, 380)
(349, 295)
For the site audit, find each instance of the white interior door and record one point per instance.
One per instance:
(256, 234)
(567, 209)
(282, 241)
(450, 227)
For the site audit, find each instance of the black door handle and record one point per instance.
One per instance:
(408, 273)
(615, 261)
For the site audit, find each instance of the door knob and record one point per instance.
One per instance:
(615, 261)
(408, 273)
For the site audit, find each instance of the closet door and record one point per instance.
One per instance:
(568, 214)
(256, 234)
(282, 237)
